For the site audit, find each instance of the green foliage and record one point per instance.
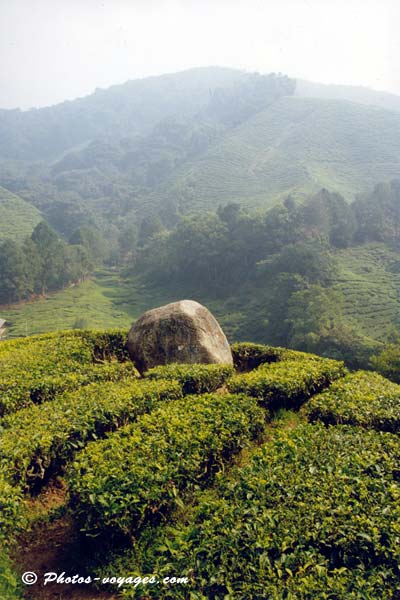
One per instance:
(368, 284)
(10, 588)
(131, 109)
(11, 511)
(38, 441)
(142, 470)
(315, 514)
(38, 368)
(361, 398)
(378, 214)
(287, 384)
(12, 518)
(387, 362)
(195, 379)
(43, 262)
(17, 217)
(248, 356)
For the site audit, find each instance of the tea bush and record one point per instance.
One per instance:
(11, 513)
(195, 379)
(286, 384)
(141, 470)
(248, 356)
(315, 514)
(10, 588)
(36, 369)
(39, 440)
(361, 398)
(11, 518)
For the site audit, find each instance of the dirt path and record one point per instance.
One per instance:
(51, 546)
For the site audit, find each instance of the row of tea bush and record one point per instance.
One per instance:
(361, 398)
(315, 514)
(36, 369)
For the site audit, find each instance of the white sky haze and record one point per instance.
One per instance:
(52, 50)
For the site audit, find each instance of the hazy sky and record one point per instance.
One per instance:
(52, 50)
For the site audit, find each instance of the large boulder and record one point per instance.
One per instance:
(180, 332)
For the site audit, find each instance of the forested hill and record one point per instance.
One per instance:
(190, 141)
(296, 146)
(133, 108)
(210, 180)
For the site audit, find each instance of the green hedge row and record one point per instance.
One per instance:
(287, 384)
(248, 356)
(315, 514)
(141, 470)
(362, 398)
(39, 440)
(37, 368)
(28, 391)
(10, 587)
(11, 519)
(195, 379)
(11, 513)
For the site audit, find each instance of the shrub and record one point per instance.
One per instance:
(11, 513)
(39, 440)
(195, 379)
(141, 470)
(315, 514)
(286, 384)
(248, 356)
(38, 368)
(361, 398)
(9, 581)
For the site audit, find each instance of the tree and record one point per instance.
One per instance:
(13, 273)
(91, 239)
(387, 362)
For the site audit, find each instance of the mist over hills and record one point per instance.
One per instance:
(188, 141)
(193, 184)
(358, 94)
(128, 109)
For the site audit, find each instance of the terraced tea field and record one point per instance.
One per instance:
(369, 280)
(17, 217)
(194, 481)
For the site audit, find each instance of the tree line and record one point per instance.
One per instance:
(281, 263)
(42, 263)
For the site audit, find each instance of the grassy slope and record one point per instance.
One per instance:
(17, 217)
(371, 300)
(371, 291)
(298, 145)
(106, 301)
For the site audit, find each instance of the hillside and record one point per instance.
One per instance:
(193, 140)
(220, 482)
(161, 150)
(368, 286)
(130, 109)
(17, 217)
(357, 94)
(297, 146)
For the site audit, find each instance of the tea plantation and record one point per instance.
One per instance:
(276, 479)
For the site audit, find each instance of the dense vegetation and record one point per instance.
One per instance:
(130, 178)
(42, 263)
(192, 469)
(278, 477)
(17, 217)
(304, 519)
(361, 398)
(290, 261)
